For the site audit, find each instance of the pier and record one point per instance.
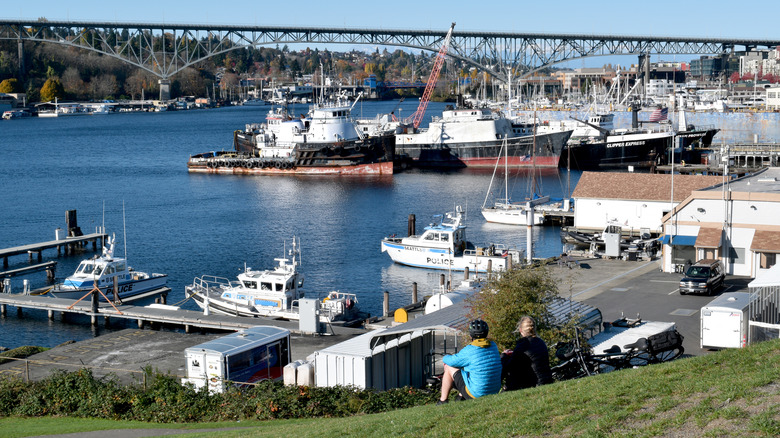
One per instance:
(68, 245)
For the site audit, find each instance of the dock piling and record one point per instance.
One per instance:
(414, 292)
(386, 304)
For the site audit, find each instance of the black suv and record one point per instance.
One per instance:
(704, 276)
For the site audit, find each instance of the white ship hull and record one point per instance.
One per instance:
(434, 258)
(513, 215)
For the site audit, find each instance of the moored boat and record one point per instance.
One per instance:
(618, 148)
(327, 141)
(443, 245)
(271, 293)
(473, 137)
(101, 272)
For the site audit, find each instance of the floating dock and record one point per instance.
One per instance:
(155, 314)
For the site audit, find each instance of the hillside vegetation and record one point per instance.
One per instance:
(726, 393)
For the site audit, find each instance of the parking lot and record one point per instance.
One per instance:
(631, 288)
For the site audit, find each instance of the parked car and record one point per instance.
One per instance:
(705, 276)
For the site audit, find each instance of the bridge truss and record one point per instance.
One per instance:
(166, 49)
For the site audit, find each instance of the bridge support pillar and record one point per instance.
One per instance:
(165, 89)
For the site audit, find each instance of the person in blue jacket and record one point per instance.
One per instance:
(476, 369)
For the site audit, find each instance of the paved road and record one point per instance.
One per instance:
(628, 288)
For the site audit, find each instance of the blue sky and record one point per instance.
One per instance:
(755, 19)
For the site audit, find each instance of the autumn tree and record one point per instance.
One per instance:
(11, 85)
(52, 89)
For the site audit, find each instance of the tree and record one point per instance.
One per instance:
(11, 85)
(517, 292)
(104, 87)
(52, 89)
(72, 82)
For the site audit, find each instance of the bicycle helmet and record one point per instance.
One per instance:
(478, 329)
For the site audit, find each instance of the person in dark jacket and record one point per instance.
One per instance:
(528, 365)
(476, 369)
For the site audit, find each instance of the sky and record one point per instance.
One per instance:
(687, 18)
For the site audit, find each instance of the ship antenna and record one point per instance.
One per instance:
(124, 227)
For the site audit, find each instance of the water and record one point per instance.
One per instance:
(187, 225)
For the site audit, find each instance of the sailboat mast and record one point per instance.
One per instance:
(506, 170)
(533, 159)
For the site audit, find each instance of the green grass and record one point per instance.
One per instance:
(727, 393)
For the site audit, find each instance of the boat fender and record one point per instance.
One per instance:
(357, 149)
(278, 165)
(338, 150)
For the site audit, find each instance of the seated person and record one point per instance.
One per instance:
(528, 365)
(476, 369)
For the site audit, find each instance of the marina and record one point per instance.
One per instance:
(330, 214)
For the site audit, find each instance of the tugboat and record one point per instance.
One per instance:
(443, 245)
(270, 293)
(101, 271)
(327, 141)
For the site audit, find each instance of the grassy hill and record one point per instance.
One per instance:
(726, 393)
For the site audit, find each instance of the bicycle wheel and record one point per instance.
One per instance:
(666, 356)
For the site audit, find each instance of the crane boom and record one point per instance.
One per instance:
(418, 115)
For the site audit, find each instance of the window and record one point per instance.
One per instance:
(250, 284)
(737, 256)
(767, 260)
(266, 286)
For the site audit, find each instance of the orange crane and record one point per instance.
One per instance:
(416, 118)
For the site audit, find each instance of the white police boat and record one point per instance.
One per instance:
(443, 245)
(269, 293)
(100, 272)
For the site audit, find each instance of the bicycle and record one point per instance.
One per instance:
(577, 361)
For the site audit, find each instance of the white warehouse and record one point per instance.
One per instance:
(635, 201)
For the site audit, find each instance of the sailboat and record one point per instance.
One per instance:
(513, 213)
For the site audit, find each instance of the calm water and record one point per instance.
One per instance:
(189, 225)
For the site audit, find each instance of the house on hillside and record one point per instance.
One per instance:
(635, 201)
(736, 222)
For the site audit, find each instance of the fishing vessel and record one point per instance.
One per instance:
(272, 293)
(443, 245)
(639, 146)
(326, 141)
(473, 137)
(101, 272)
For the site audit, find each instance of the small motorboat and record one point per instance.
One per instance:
(271, 293)
(101, 272)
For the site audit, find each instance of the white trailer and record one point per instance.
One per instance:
(248, 356)
(724, 321)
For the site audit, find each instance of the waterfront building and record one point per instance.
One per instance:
(634, 201)
(733, 221)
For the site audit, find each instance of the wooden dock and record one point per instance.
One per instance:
(155, 314)
(67, 245)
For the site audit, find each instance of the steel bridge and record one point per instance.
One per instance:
(166, 49)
